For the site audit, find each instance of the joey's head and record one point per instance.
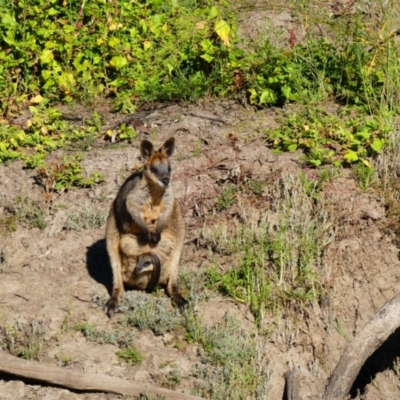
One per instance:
(157, 169)
(145, 263)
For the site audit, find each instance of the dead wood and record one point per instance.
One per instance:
(81, 381)
(369, 339)
(292, 385)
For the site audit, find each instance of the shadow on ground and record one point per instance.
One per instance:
(381, 360)
(98, 264)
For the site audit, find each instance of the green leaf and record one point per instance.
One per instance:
(363, 135)
(223, 29)
(292, 147)
(286, 91)
(46, 74)
(267, 96)
(377, 145)
(116, 82)
(52, 11)
(8, 21)
(214, 12)
(113, 41)
(253, 96)
(207, 57)
(118, 62)
(351, 156)
(46, 56)
(316, 163)
(207, 46)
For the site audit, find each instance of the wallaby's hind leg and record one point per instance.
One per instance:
(112, 240)
(113, 302)
(172, 284)
(177, 298)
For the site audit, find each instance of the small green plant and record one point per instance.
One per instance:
(59, 176)
(88, 330)
(169, 379)
(364, 175)
(119, 338)
(22, 211)
(174, 378)
(191, 284)
(229, 368)
(64, 359)
(256, 186)
(331, 139)
(130, 355)
(248, 284)
(147, 312)
(279, 251)
(124, 133)
(87, 219)
(24, 340)
(226, 198)
(43, 133)
(313, 181)
(197, 149)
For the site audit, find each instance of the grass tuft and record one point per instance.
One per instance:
(280, 251)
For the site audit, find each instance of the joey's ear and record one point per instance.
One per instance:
(168, 147)
(146, 149)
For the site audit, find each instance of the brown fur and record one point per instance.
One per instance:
(145, 219)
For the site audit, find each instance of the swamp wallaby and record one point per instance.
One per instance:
(145, 225)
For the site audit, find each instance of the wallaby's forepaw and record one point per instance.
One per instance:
(146, 236)
(155, 237)
(111, 306)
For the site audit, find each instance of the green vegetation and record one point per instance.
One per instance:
(60, 176)
(364, 175)
(279, 251)
(130, 355)
(87, 219)
(230, 367)
(88, 330)
(147, 313)
(183, 50)
(23, 340)
(227, 350)
(226, 198)
(22, 211)
(331, 139)
(44, 132)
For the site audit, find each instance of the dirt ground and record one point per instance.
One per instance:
(52, 273)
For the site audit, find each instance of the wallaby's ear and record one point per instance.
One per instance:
(168, 147)
(146, 149)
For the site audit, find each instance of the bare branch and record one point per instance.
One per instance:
(80, 381)
(369, 339)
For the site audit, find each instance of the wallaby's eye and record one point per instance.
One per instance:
(169, 168)
(153, 170)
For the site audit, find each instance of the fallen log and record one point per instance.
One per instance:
(367, 341)
(59, 376)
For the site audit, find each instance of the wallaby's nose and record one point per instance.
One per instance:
(165, 181)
